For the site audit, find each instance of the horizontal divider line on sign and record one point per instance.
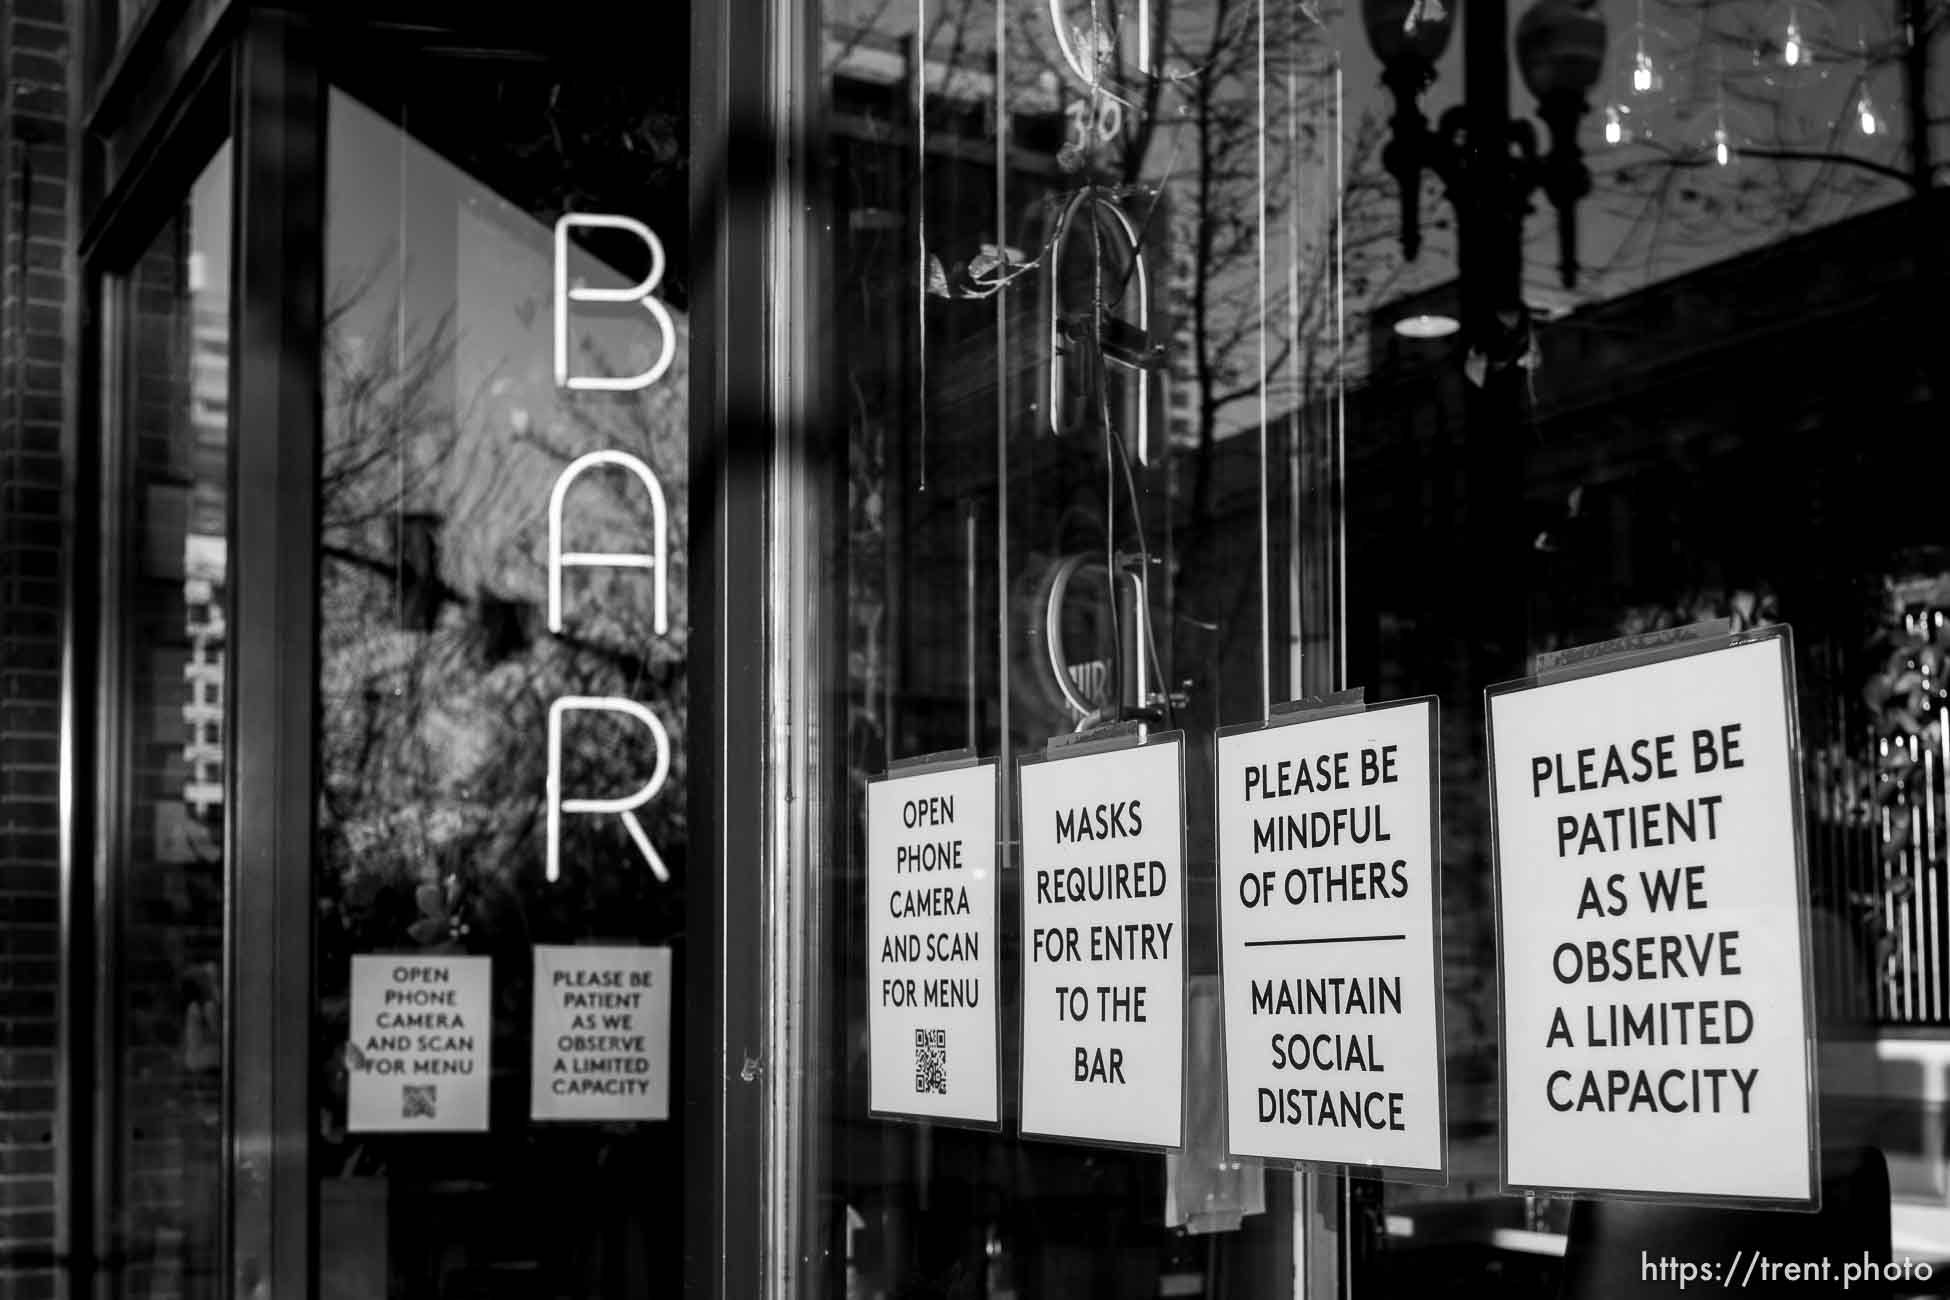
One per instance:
(1342, 938)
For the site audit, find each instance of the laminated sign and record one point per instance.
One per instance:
(1103, 945)
(1330, 954)
(1651, 916)
(417, 1059)
(931, 944)
(601, 1034)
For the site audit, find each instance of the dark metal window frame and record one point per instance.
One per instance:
(251, 83)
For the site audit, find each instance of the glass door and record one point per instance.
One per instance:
(502, 861)
(1086, 352)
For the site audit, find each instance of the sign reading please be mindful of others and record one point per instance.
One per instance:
(1103, 939)
(1652, 928)
(1329, 900)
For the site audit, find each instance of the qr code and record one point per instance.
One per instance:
(417, 1101)
(931, 1061)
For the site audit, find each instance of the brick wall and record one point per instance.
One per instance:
(36, 285)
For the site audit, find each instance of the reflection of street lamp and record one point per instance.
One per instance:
(1490, 164)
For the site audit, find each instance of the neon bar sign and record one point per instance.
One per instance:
(655, 561)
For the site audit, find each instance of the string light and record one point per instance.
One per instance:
(1637, 77)
(1645, 77)
(1791, 40)
(1867, 120)
(1865, 114)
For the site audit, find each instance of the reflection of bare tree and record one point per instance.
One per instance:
(437, 674)
(1739, 143)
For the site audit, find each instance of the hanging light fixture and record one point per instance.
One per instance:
(1793, 42)
(1635, 82)
(1794, 51)
(1867, 120)
(1721, 139)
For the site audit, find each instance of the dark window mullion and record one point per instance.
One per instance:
(278, 125)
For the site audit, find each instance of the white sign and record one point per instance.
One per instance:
(1103, 944)
(417, 1058)
(602, 1034)
(1656, 1031)
(1329, 907)
(931, 945)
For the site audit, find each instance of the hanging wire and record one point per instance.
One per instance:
(1340, 375)
(924, 280)
(1002, 416)
(399, 376)
(1296, 632)
(1265, 524)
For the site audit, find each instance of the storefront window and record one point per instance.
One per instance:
(168, 865)
(1163, 405)
(502, 857)
(1067, 287)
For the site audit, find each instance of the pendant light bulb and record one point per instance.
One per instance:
(1794, 50)
(1645, 74)
(1865, 115)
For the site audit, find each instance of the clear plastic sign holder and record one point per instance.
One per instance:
(1319, 708)
(1616, 656)
(954, 760)
(1111, 737)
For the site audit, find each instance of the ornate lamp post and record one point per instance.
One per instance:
(1490, 167)
(1489, 164)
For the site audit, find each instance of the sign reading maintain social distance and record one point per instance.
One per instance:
(417, 1055)
(1103, 945)
(1655, 1020)
(1329, 906)
(601, 1047)
(931, 945)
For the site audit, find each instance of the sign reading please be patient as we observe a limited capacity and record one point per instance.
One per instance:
(1651, 929)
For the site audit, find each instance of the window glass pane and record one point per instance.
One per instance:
(167, 953)
(466, 443)
(1052, 343)
(1665, 367)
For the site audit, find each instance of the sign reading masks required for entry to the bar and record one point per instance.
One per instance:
(1103, 945)
(931, 945)
(1655, 1019)
(1329, 902)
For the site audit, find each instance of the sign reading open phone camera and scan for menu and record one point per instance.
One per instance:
(931, 944)
(1329, 920)
(1656, 1024)
(1103, 944)
(417, 1051)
